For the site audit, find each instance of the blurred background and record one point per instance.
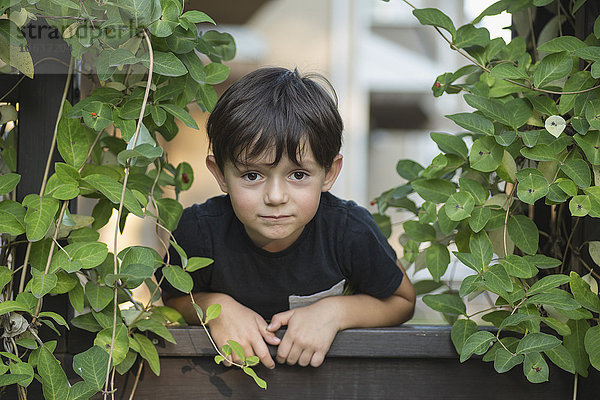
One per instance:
(382, 63)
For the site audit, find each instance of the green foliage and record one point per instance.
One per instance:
(108, 142)
(533, 139)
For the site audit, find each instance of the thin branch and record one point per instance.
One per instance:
(137, 379)
(530, 17)
(120, 211)
(562, 265)
(505, 230)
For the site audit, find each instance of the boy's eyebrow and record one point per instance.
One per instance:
(249, 165)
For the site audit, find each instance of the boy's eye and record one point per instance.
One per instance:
(251, 176)
(299, 175)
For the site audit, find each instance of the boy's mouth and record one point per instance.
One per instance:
(275, 217)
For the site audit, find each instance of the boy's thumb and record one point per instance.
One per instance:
(279, 320)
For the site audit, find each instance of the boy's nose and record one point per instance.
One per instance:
(275, 193)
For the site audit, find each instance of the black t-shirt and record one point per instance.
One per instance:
(340, 245)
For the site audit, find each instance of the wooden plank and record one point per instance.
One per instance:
(407, 341)
(352, 378)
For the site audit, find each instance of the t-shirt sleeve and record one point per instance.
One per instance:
(370, 262)
(191, 238)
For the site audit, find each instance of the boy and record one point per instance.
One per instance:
(283, 246)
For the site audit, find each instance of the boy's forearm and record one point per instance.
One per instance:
(364, 311)
(183, 304)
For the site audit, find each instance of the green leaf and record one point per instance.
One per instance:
(98, 296)
(206, 97)
(478, 343)
(583, 294)
(524, 233)
(580, 80)
(195, 66)
(559, 299)
(23, 368)
(166, 64)
(536, 342)
(156, 327)
(260, 382)
(437, 259)
(97, 115)
(5, 276)
(81, 391)
(16, 57)
(54, 380)
(8, 182)
(575, 344)
(459, 206)
(434, 17)
(76, 298)
(518, 266)
(138, 12)
(542, 261)
(479, 218)
(504, 361)
(121, 345)
(434, 190)
(92, 365)
(39, 216)
(12, 218)
(507, 70)
(118, 57)
(467, 36)
(180, 114)
(197, 17)
(419, 232)
(148, 352)
(216, 73)
(481, 249)
(590, 144)
(547, 283)
(580, 206)
(112, 190)
(535, 368)
(578, 170)
(486, 154)
(497, 280)
(195, 263)
(560, 44)
(543, 104)
(592, 345)
(551, 68)
(446, 303)
(426, 286)
(10, 306)
(408, 169)
(461, 330)
(212, 312)
(450, 144)
(561, 357)
(473, 122)
(41, 283)
(514, 113)
(516, 319)
(177, 277)
(531, 188)
(539, 152)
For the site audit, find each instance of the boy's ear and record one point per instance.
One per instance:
(213, 167)
(332, 174)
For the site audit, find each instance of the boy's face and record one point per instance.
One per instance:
(275, 202)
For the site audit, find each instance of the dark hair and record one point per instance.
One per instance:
(275, 108)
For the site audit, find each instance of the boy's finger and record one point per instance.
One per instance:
(262, 352)
(279, 320)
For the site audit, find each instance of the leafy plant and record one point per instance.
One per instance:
(533, 139)
(146, 56)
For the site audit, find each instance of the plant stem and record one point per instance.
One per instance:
(505, 230)
(575, 384)
(562, 265)
(137, 379)
(530, 17)
(120, 211)
(48, 162)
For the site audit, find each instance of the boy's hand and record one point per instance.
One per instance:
(246, 327)
(310, 332)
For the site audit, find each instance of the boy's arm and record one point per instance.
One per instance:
(311, 329)
(236, 322)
